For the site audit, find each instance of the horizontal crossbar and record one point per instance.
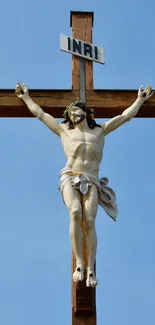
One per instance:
(107, 103)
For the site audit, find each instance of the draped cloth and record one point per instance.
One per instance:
(82, 181)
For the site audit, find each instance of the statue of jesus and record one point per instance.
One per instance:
(82, 191)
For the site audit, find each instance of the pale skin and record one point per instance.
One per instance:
(83, 145)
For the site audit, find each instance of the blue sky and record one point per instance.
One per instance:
(35, 250)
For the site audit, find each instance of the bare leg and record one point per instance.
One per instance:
(90, 205)
(72, 199)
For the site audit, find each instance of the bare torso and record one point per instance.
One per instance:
(83, 149)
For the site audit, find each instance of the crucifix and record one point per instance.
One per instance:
(83, 141)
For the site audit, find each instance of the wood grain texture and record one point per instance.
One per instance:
(52, 101)
(107, 103)
(82, 29)
(83, 298)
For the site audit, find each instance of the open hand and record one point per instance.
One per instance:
(21, 91)
(146, 93)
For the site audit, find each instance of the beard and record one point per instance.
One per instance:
(78, 119)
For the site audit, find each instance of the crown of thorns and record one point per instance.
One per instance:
(78, 103)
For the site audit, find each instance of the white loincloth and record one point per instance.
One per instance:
(82, 181)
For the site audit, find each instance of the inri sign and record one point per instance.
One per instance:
(83, 49)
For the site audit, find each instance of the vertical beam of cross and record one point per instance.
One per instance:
(82, 23)
(83, 298)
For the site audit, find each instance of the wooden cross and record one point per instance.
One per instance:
(107, 104)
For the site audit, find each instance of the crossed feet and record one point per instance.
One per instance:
(78, 276)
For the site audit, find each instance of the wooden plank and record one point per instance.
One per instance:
(82, 29)
(83, 298)
(107, 103)
(52, 101)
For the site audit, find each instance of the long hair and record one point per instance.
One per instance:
(81, 104)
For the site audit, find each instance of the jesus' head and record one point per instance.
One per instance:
(76, 112)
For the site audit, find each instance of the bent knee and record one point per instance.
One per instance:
(76, 214)
(90, 224)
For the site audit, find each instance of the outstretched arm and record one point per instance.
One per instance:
(48, 120)
(130, 112)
